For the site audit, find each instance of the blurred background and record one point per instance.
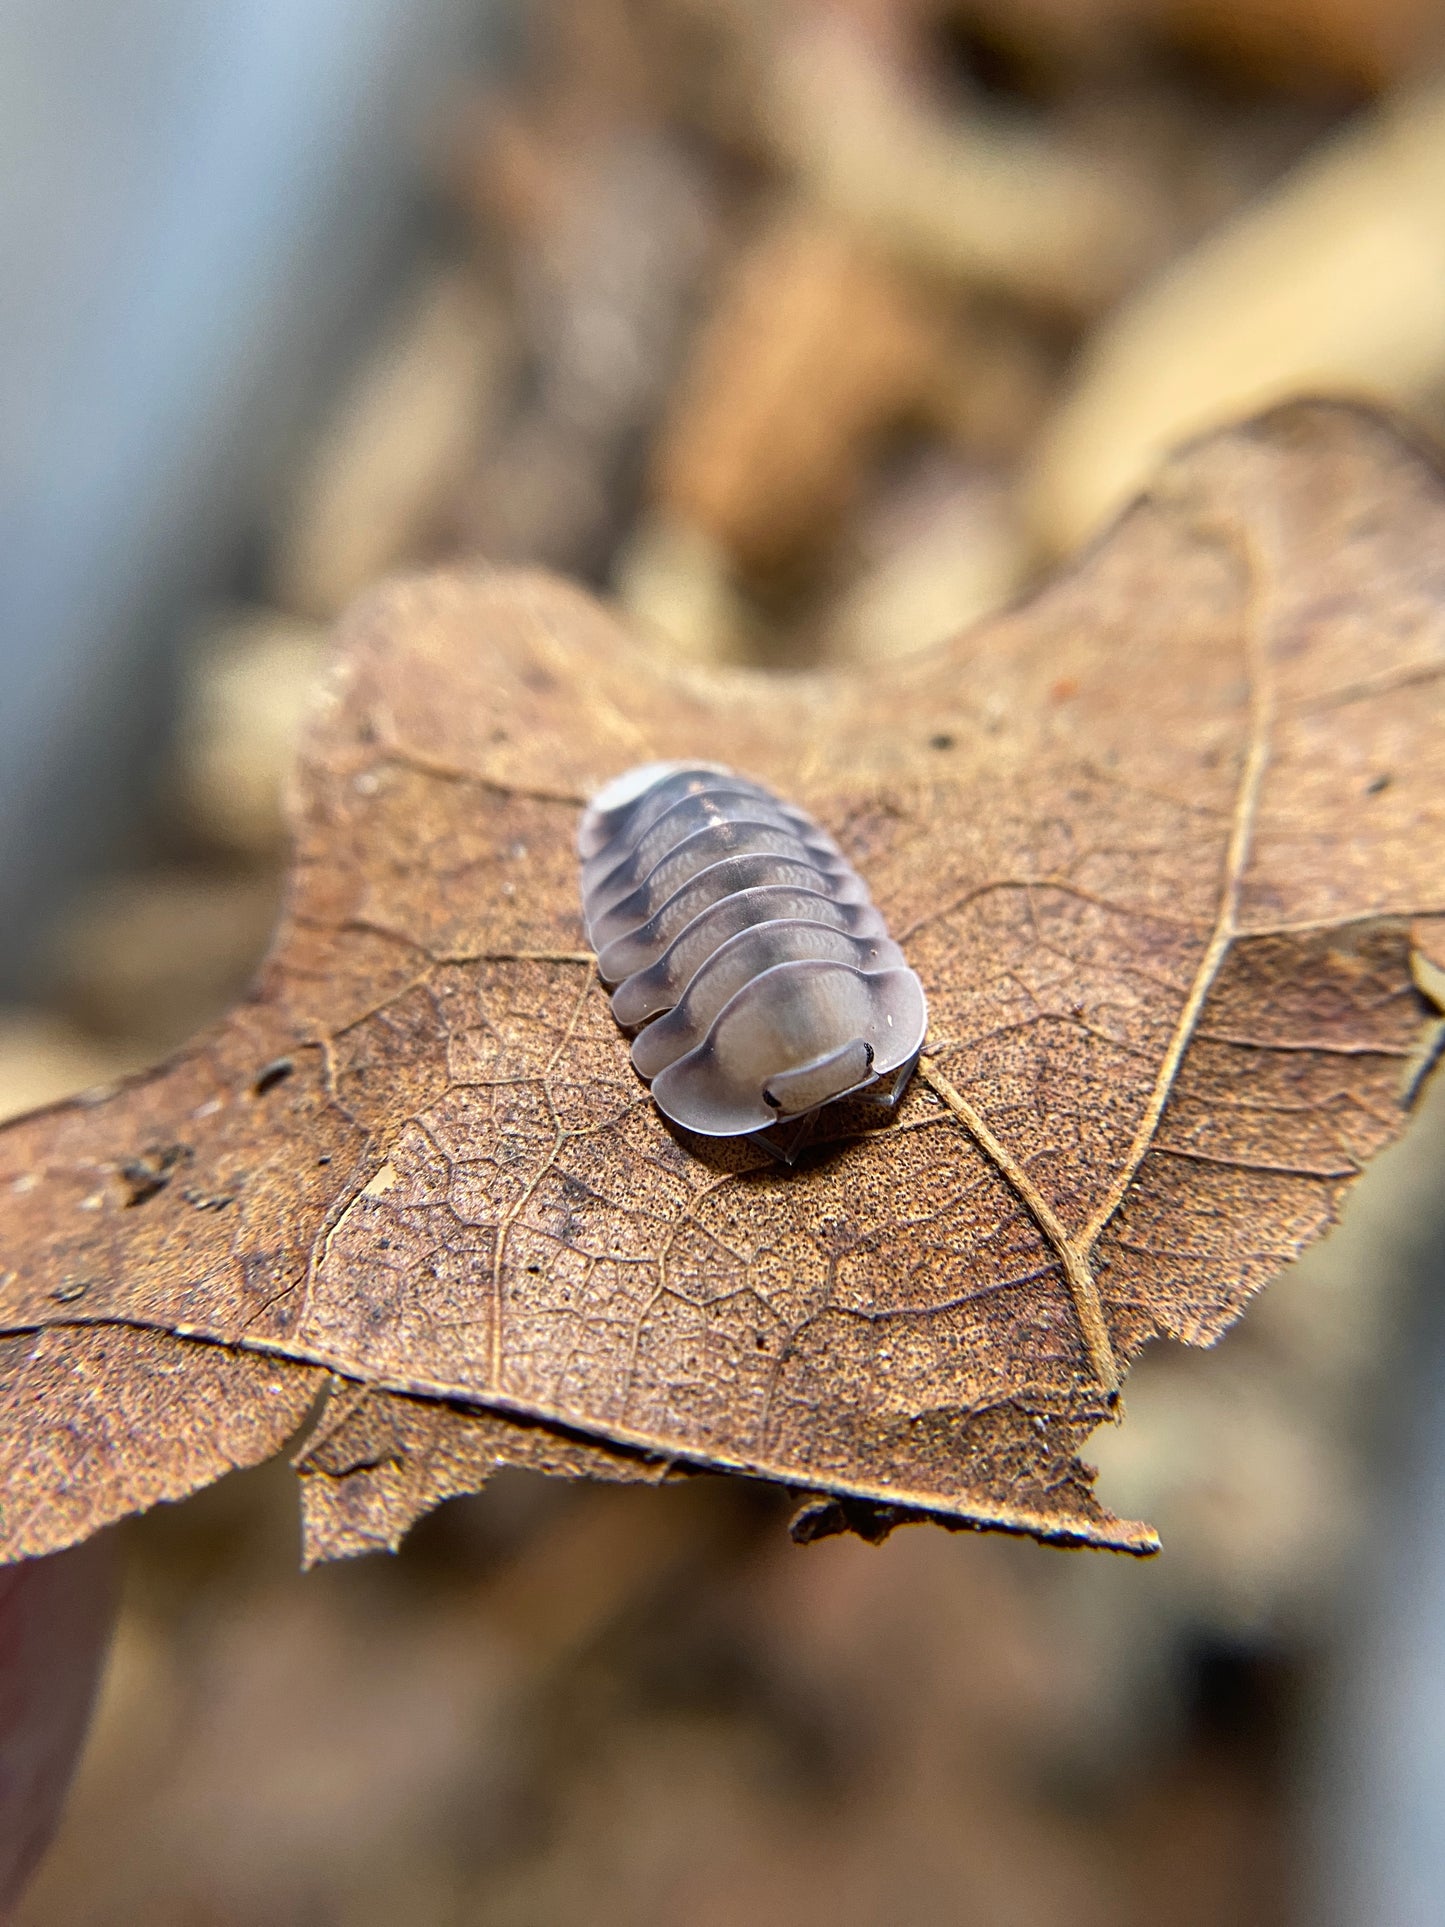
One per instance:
(808, 331)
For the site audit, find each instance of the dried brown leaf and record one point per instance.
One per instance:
(377, 1461)
(1154, 842)
(814, 349)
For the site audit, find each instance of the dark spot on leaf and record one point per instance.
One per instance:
(1378, 783)
(208, 1200)
(941, 741)
(150, 1173)
(272, 1074)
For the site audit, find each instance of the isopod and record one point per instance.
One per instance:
(744, 950)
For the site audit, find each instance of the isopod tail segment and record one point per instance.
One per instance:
(825, 1079)
(788, 1139)
(744, 952)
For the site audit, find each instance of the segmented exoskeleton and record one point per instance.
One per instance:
(744, 950)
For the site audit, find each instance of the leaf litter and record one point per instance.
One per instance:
(1164, 846)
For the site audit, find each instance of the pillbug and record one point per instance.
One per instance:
(742, 948)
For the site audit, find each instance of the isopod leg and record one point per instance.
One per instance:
(786, 1141)
(887, 1091)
